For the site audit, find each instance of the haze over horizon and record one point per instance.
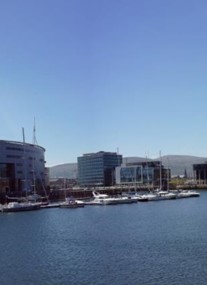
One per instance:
(105, 75)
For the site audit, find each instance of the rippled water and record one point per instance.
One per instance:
(150, 243)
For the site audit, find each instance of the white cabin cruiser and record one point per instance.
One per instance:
(186, 194)
(157, 196)
(165, 195)
(70, 202)
(104, 199)
(147, 197)
(101, 199)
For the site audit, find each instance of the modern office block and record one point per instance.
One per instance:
(21, 165)
(150, 172)
(98, 169)
(200, 172)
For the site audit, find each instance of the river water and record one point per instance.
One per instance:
(148, 243)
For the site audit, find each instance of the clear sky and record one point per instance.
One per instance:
(105, 75)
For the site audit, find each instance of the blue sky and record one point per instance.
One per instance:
(105, 75)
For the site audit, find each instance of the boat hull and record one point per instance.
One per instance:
(71, 206)
(6, 209)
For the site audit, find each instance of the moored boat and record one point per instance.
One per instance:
(19, 207)
(165, 195)
(157, 196)
(186, 194)
(101, 199)
(104, 199)
(147, 197)
(71, 203)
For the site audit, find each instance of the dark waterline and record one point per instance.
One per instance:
(145, 243)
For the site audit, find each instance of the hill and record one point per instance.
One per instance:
(66, 170)
(177, 163)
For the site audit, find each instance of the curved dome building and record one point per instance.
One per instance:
(22, 166)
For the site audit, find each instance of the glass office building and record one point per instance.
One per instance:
(200, 172)
(98, 169)
(134, 174)
(20, 165)
(141, 173)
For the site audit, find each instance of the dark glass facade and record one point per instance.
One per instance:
(131, 174)
(200, 172)
(135, 174)
(98, 169)
(142, 173)
(21, 164)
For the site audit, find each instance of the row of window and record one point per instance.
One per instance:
(22, 157)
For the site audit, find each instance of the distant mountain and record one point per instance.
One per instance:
(177, 163)
(66, 170)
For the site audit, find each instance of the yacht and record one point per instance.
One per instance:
(186, 194)
(147, 197)
(101, 199)
(165, 195)
(19, 207)
(71, 203)
(104, 199)
(156, 196)
(193, 193)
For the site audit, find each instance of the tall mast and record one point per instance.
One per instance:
(33, 160)
(147, 170)
(24, 162)
(34, 134)
(160, 172)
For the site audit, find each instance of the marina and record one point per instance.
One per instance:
(103, 157)
(139, 243)
(100, 200)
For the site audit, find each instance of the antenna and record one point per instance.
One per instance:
(23, 135)
(34, 133)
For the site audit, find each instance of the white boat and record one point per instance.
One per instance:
(50, 205)
(104, 199)
(100, 199)
(125, 199)
(19, 207)
(147, 197)
(193, 193)
(71, 203)
(134, 197)
(165, 195)
(186, 194)
(156, 196)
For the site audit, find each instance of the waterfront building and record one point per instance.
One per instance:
(200, 173)
(22, 165)
(98, 169)
(151, 173)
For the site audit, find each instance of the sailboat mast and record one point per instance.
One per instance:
(168, 175)
(147, 170)
(160, 172)
(34, 134)
(24, 162)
